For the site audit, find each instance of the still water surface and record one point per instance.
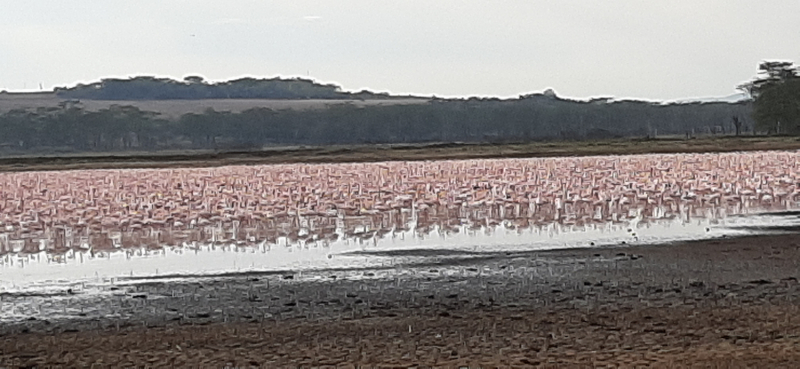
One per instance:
(59, 229)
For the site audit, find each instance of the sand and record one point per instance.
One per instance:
(730, 302)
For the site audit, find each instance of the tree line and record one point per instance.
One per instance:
(535, 117)
(774, 108)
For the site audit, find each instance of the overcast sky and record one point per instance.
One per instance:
(624, 48)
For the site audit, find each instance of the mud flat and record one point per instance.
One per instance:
(389, 152)
(725, 302)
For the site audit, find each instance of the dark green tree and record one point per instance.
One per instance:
(776, 94)
(778, 108)
(770, 73)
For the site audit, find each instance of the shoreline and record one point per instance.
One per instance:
(732, 301)
(615, 305)
(377, 153)
(389, 253)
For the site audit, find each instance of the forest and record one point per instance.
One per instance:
(774, 108)
(536, 117)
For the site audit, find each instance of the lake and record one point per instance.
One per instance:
(63, 229)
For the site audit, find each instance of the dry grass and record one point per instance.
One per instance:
(372, 153)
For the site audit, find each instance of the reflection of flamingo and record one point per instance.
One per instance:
(244, 204)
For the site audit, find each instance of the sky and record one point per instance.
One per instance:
(658, 50)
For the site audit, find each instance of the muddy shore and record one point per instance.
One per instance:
(395, 152)
(726, 302)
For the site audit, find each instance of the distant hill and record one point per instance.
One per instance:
(196, 88)
(732, 99)
(156, 114)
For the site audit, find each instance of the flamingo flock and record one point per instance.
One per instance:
(107, 210)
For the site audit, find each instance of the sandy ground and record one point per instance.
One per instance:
(731, 302)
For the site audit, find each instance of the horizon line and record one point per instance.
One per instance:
(390, 93)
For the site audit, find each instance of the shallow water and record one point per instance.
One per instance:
(80, 271)
(87, 229)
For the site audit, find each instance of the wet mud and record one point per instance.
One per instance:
(689, 302)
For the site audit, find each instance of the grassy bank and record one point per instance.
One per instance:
(371, 153)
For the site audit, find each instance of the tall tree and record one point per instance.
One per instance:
(770, 73)
(776, 94)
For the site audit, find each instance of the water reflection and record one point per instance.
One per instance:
(321, 231)
(93, 214)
